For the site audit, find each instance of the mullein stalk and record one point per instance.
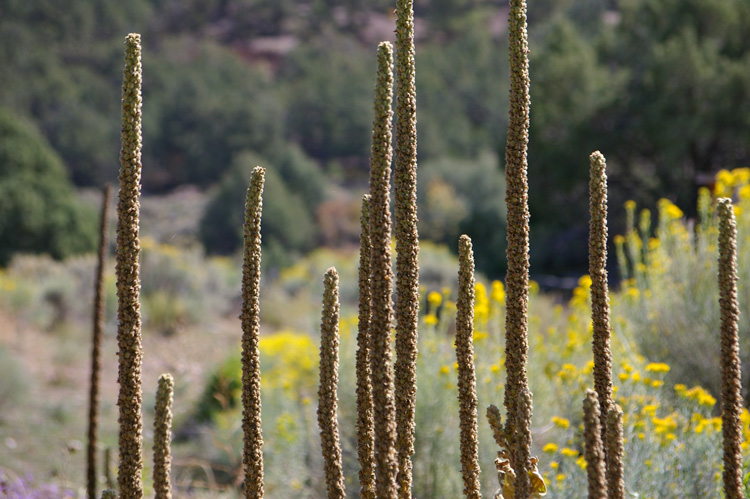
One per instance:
(96, 349)
(128, 279)
(467, 381)
(615, 451)
(407, 243)
(365, 435)
(517, 395)
(252, 455)
(384, 412)
(731, 384)
(163, 437)
(329, 379)
(593, 448)
(599, 289)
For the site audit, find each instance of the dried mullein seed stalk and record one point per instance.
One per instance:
(250, 317)
(467, 395)
(599, 288)
(593, 449)
(96, 349)
(365, 435)
(615, 483)
(731, 381)
(329, 379)
(407, 243)
(517, 427)
(128, 278)
(384, 415)
(163, 437)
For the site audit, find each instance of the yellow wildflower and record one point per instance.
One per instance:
(550, 447)
(561, 423)
(568, 452)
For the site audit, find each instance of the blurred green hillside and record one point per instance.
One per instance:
(660, 87)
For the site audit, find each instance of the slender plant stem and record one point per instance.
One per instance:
(96, 348)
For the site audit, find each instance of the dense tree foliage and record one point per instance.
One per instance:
(660, 87)
(294, 188)
(38, 209)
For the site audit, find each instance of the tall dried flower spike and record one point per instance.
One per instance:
(96, 349)
(163, 437)
(407, 243)
(599, 289)
(128, 279)
(517, 427)
(494, 418)
(467, 381)
(731, 384)
(329, 380)
(365, 435)
(593, 449)
(615, 484)
(384, 415)
(252, 456)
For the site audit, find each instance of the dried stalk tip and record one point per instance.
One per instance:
(615, 483)
(163, 437)
(467, 395)
(250, 317)
(731, 381)
(128, 279)
(365, 431)
(329, 379)
(384, 418)
(593, 449)
(407, 244)
(599, 288)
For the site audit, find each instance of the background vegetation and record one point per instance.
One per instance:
(661, 88)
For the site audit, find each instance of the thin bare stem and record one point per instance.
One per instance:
(96, 348)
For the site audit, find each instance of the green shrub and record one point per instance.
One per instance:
(287, 207)
(39, 212)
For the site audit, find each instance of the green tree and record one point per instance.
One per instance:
(328, 97)
(465, 196)
(685, 110)
(204, 105)
(38, 209)
(288, 212)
